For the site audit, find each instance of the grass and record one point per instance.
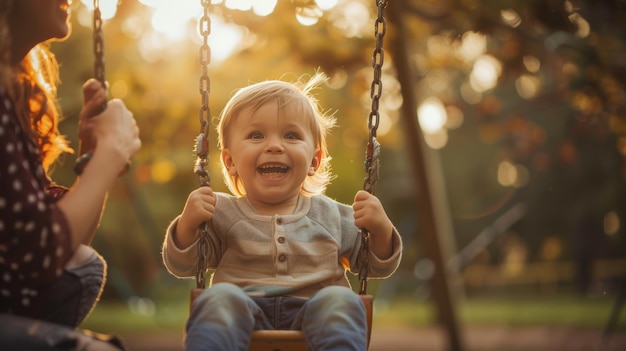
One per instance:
(565, 311)
(514, 311)
(117, 318)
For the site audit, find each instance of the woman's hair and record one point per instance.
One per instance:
(32, 85)
(295, 96)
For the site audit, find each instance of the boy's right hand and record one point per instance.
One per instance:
(198, 209)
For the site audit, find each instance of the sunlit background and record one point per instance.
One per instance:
(522, 118)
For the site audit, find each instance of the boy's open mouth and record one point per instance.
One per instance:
(272, 169)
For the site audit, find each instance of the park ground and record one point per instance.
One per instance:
(492, 323)
(483, 338)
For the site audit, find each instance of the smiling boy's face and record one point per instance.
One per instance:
(272, 151)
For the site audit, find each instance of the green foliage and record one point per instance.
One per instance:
(514, 311)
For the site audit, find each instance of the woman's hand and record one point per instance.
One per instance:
(94, 103)
(116, 133)
(109, 128)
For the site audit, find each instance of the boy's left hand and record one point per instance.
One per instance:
(369, 214)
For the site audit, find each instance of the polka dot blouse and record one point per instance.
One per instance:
(34, 234)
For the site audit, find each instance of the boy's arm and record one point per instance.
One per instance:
(382, 245)
(181, 262)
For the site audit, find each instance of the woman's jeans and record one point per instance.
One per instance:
(74, 295)
(67, 303)
(224, 316)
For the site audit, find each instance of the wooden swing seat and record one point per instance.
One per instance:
(289, 340)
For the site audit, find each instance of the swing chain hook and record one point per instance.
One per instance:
(372, 156)
(202, 141)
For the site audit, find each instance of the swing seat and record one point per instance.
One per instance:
(289, 340)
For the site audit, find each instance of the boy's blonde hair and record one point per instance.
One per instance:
(297, 96)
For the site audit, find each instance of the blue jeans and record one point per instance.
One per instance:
(223, 317)
(51, 326)
(75, 294)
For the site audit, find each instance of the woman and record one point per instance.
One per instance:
(50, 278)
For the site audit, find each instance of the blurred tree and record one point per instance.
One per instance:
(555, 113)
(548, 128)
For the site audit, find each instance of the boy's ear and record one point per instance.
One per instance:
(315, 163)
(227, 160)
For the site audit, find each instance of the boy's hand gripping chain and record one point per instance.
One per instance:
(202, 141)
(372, 156)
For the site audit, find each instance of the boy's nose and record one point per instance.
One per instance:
(274, 145)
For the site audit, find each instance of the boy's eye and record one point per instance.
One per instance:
(292, 136)
(256, 135)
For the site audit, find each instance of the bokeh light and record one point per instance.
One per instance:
(432, 115)
(527, 86)
(612, 223)
(264, 8)
(351, 18)
(512, 175)
(472, 46)
(531, 63)
(485, 73)
(510, 17)
(326, 4)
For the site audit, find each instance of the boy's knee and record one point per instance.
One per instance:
(222, 293)
(222, 304)
(336, 297)
(335, 293)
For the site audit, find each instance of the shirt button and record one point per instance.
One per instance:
(282, 258)
(281, 239)
(279, 221)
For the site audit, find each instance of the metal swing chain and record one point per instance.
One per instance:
(98, 43)
(202, 141)
(98, 50)
(372, 156)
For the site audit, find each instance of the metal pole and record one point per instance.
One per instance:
(432, 212)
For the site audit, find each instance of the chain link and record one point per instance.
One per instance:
(202, 141)
(98, 43)
(98, 50)
(372, 156)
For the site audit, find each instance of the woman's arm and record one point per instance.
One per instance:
(117, 140)
(112, 137)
